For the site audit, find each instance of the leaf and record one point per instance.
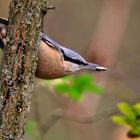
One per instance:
(134, 132)
(119, 120)
(127, 111)
(95, 89)
(75, 86)
(84, 79)
(61, 88)
(74, 94)
(137, 109)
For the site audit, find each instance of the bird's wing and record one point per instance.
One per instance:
(67, 53)
(50, 42)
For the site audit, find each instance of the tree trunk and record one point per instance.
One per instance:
(19, 65)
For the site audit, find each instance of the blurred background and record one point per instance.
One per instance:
(104, 32)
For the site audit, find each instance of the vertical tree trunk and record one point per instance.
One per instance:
(19, 65)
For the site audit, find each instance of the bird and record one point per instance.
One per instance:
(54, 60)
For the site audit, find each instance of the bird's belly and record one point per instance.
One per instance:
(50, 64)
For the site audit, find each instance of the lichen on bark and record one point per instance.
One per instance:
(18, 65)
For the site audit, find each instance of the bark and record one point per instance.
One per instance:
(19, 65)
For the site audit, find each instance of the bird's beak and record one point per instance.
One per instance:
(100, 68)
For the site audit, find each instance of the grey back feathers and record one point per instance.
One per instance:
(69, 55)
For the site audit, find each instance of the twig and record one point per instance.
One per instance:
(59, 114)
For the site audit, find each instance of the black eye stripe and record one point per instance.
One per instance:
(76, 61)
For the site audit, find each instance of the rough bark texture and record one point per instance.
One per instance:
(19, 65)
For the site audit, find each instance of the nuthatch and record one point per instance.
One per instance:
(54, 61)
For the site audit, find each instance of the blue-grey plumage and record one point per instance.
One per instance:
(66, 52)
(54, 60)
(72, 56)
